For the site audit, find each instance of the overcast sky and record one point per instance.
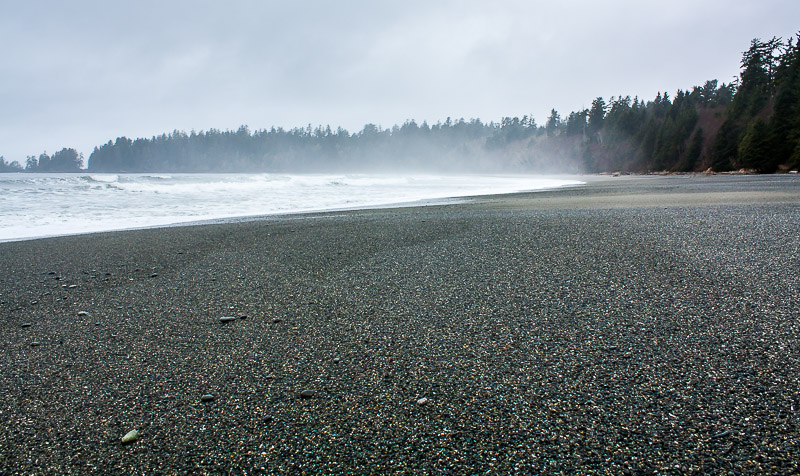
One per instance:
(79, 73)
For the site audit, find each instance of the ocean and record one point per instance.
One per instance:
(41, 205)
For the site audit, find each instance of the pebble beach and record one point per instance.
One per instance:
(634, 325)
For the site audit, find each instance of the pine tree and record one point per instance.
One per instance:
(694, 151)
(784, 125)
(754, 150)
(553, 123)
(596, 116)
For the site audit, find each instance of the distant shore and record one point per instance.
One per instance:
(635, 324)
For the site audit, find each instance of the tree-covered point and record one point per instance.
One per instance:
(65, 160)
(6, 167)
(751, 123)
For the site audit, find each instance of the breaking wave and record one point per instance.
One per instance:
(61, 204)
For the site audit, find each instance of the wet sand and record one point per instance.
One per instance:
(636, 324)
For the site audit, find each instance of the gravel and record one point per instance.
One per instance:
(635, 325)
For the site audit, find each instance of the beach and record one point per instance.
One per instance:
(642, 325)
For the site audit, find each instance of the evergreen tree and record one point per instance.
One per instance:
(693, 152)
(44, 162)
(596, 115)
(553, 124)
(725, 148)
(576, 123)
(784, 125)
(759, 65)
(754, 150)
(647, 145)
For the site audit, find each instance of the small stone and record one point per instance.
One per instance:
(243, 317)
(336, 360)
(154, 275)
(207, 398)
(35, 344)
(422, 401)
(307, 393)
(130, 437)
(83, 313)
(268, 419)
(276, 319)
(227, 318)
(26, 324)
(97, 323)
(34, 302)
(72, 286)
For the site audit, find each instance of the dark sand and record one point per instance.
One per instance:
(638, 324)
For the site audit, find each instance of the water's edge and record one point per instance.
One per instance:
(50, 205)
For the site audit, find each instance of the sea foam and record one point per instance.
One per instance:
(38, 205)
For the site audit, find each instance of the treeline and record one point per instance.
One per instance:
(9, 167)
(65, 160)
(762, 125)
(752, 123)
(451, 145)
(664, 134)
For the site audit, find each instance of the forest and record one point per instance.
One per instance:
(750, 124)
(65, 160)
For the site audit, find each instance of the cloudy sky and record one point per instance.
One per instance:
(78, 73)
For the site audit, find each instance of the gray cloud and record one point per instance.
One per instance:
(80, 73)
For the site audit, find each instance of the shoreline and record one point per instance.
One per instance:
(630, 324)
(585, 179)
(229, 216)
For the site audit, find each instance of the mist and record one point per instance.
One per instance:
(449, 147)
(80, 73)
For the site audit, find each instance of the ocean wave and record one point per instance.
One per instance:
(40, 205)
(101, 178)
